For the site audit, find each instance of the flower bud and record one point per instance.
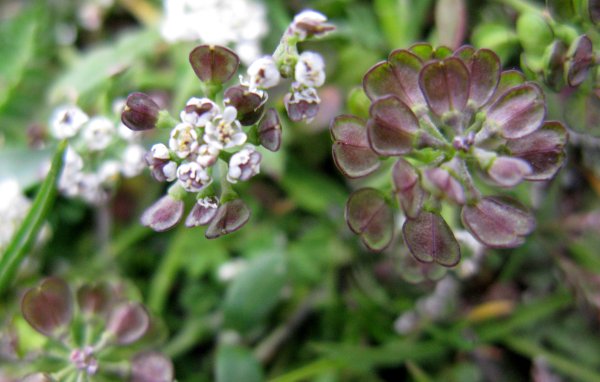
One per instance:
(48, 308)
(203, 212)
(163, 214)
(151, 367)
(161, 166)
(198, 111)
(269, 130)
(310, 69)
(264, 73)
(302, 104)
(140, 112)
(309, 23)
(244, 164)
(128, 322)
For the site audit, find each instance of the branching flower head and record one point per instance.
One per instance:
(447, 115)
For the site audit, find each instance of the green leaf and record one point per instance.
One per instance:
(96, 66)
(28, 162)
(255, 292)
(28, 232)
(17, 45)
(236, 363)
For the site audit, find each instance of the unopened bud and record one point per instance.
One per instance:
(140, 112)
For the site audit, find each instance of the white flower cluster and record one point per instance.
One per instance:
(13, 209)
(195, 143)
(99, 152)
(220, 22)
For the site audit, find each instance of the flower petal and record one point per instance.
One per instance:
(543, 149)
(392, 128)
(498, 223)
(407, 187)
(429, 238)
(214, 63)
(351, 151)
(445, 85)
(520, 111)
(369, 216)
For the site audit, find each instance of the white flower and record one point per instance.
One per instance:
(91, 190)
(263, 73)
(68, 182)
(309, 22)
(221, 22)
(13, 209)
(198, 111)
(170, 171)
(66, 121)
(109, 172)
(183, 140)
(310, 69)
(133, 160)
(207, 155)
(127, 134)
(160, 151)
(225, 131)
(193, 177)
(229, 270)
(98, 133)
(244, 164)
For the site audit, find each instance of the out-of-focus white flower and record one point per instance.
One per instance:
(91, 190)
(109, 172)
(13, 209)
(310, 69)
(160, 151)
(263, 73)
(225, 131)
(244, 164)
(241, 23)
(207, 155)
(98, 133)
(183, 140)
(229, 270)
(66, 121)
(127, 134)
(309, 23)
(133, 160)
(68, 182)
(198, 111)
(193, 177)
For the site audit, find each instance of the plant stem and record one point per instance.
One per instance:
(28, 232)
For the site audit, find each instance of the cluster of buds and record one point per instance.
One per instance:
(83, 338)
(214, 140)
(100, 151)
(446, 115)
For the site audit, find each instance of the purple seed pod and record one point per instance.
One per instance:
(430, 239)
(203, 212)
(140, 112)
(128, 322)
(369, 216)
(163, 214)
(230, 217)
(351, 150)
(249, 105)
(214, 63)
(94, 299)
(48, 308)
(269, 130)
(151, 367)
(581, 54)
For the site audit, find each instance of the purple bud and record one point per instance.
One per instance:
(161, 166)
(94, 299)
(37, 377)
(48, 308)
(203, 212)
(497, 222)
(249, 105)
(140, 113)
(269, 130)
(508, 172)
(214, 63)
(151, 367)
(128, 322)
(163, 214)
(230, 217)
(445, 185)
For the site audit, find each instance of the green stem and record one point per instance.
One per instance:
(191, 334)
(28, 232)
